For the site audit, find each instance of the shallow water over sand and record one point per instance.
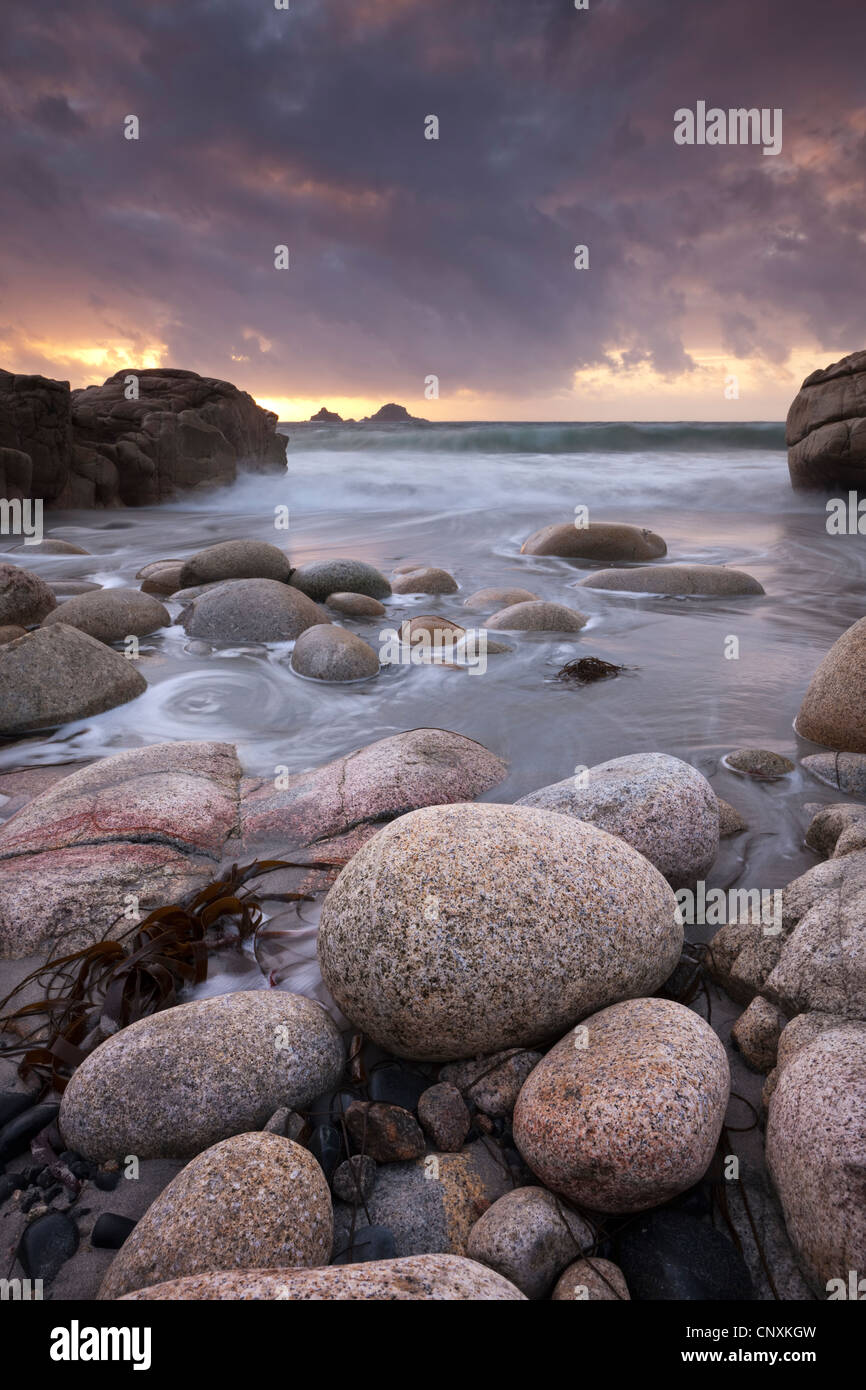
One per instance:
(446, 500)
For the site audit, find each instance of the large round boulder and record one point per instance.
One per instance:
(833, 711)
(110, 615)
(626, 1110)
(662, 806)
(321, 578)
(57, 674)
(816, 1152)
(24, 597)
(330, 653)
(462, 930)
(243, 559)
(425, 1278)
(178, 1081)
(253, 1201)
(250, 610)
(702, 581)
(598, 540)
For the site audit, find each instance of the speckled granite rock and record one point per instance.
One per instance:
(830, 824)
(593, 1279)
(626, 1110)
(354, 1178)
(801, 1032)
(539, 616)
(697, 580)
(598, 540)
(428, 580)
(161, 577)
(112, 614)
(816, 1152)
(465, 929)
(742, 954)
(757, 1032)
(528, 1237)
(326, 653)
(731, 822)
(250, 610)
(9, 631)
(431, 1203)
(844, 771)
(444, 1117)
(355, 794)
(356, 605)
(495, 599)
(254, 1201)
(57, 674)
(759, 762)
(178, 1081)
(822, 964)
(243, 559)
(662, 806)
(492, 1083)
(833, 711)
(321, 578)
(428, 1278)
(24, 597)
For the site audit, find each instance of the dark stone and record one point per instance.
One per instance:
(16, 1135)
(107, 1182)
(51, 1192)
(387, 1133)
(326, 1146)
(673, 1255)
(397, 1083)
(47, 1244)
(12, 1103)
(368, 1243)
(111, 1231)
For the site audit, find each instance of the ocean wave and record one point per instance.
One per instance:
(542, 438)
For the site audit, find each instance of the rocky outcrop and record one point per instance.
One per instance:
(36, 421)
(326, 417)
(95, 448)
(826, 428)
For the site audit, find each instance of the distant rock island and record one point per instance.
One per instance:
(390, 414)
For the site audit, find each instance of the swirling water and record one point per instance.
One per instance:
(465, 497)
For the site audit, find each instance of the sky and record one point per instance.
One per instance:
(718, 276)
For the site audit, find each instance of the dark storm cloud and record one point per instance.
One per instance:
(410, 256)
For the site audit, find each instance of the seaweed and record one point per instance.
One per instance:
(91, 993)
(588, 669)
